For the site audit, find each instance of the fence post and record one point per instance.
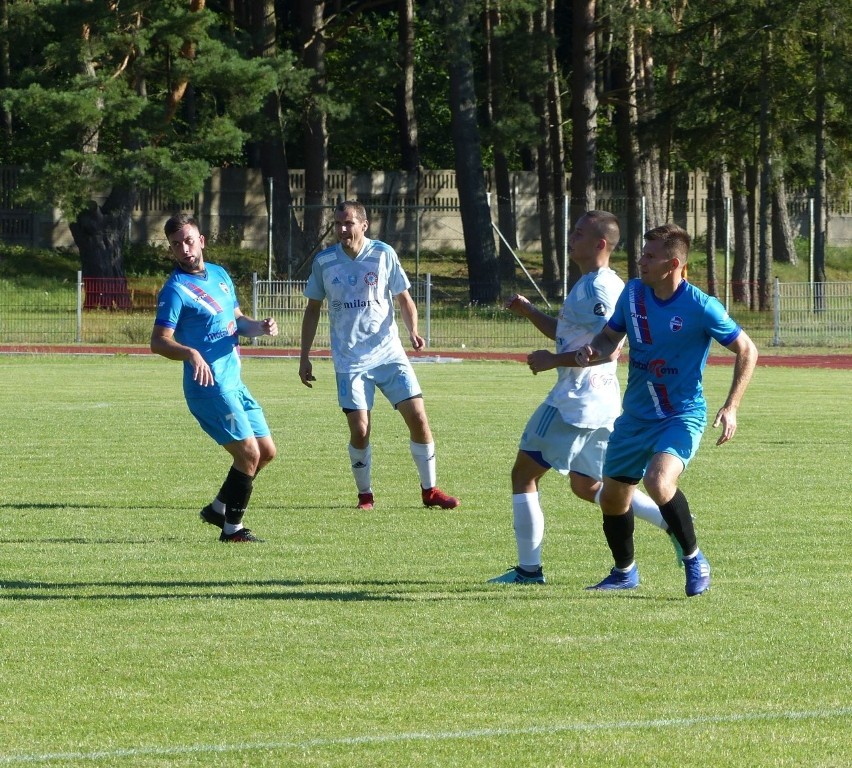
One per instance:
(269, 225)
(428, 309)
(728, 253)
(776, 320)
(811, 241)
(417, 214)
(79, 306)
(254, 302)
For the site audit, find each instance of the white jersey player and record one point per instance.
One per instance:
(361, 278)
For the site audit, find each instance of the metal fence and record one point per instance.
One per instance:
(120, 312)
(820, 313)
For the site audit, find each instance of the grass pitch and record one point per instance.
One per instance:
(129, 636)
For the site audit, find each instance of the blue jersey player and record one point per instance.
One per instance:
(669, 325)
(199, 322)
(361, 278)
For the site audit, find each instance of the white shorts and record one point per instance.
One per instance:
(552, 442)
(396, 381)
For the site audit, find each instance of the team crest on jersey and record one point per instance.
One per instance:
(352, 280)
(224, 288)
(371, 278)
(676, 323)
(599, 310)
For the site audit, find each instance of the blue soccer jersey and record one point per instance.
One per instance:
(360, 294)
(669, 342)
(200, 309)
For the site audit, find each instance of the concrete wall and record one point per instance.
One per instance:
(404, 209)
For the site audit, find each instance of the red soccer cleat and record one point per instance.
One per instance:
(365, 501)
(435, 497)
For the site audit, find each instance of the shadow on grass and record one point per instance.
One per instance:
(382, 591)
(79, 540)
(57, 505)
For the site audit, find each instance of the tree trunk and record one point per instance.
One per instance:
(627, 131)
(584, 109)
(408, 131)
(546, 183)
(480, 251)
(494, 109)
(783, 247)
(546, 212)
(712, 221)
(765, 159)
(100, 232)
(649, 146)
(740, 271)
(752, 193)
(5, 70)
(557, 150)
(316, 130)
(584, 117)
(288, 245)
(820, 233)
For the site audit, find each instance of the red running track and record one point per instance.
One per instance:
(836, 361)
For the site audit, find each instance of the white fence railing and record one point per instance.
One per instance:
(812, 314)
(116, 311)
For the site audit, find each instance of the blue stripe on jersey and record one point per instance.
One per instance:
(546, 420)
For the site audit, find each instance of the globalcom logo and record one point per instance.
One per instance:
(658, 368)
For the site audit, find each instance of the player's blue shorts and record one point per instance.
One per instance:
(553, 443)
(396, 381)
(634, 441)
(235, 415)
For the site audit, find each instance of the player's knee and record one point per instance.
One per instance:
(268, 451)
(584, 487)
(659, 486)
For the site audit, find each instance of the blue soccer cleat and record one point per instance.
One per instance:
(697, 574)
(619, 579)
(517, 575)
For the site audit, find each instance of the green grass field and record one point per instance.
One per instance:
(129, 636)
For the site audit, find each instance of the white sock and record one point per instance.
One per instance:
(643, 508)
(424, 459)
(218, 505)
(362, 463)
(229, 528)
(529, 529)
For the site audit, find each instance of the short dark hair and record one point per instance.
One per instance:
(179, 220)
(607, 226)
(675, 240)
(360, 210)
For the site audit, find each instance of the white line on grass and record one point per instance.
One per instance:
(817, 714)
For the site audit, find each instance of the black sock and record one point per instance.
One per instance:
(618, 530)
(677, 516)
(235, 493)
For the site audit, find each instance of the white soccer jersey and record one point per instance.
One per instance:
(587, 397)
(360, 294)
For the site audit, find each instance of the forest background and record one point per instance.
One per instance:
(100, 102)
